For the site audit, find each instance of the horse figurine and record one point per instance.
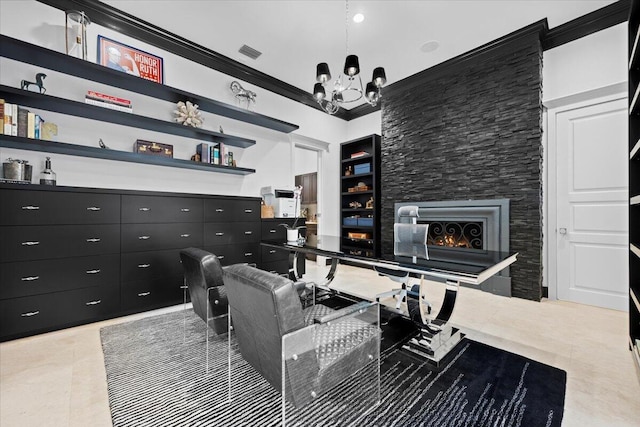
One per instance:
(242, 93)
(39, 78)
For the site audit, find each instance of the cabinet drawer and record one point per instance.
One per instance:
(22, 243)
(159, 209)
(52, 207)
(146, 294)
(148, 237)
(149, 265)
(26, 278)
(277, 267)
(271, 254)
(229, 210)
(274, 231)
(234, 254)
(220, 233)
(45, 312)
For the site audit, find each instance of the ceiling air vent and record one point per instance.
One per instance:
(249, 51)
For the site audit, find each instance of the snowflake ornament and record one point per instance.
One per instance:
(188, 114)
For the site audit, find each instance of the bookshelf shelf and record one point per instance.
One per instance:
(123, 156)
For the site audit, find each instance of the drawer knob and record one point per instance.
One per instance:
(96, 271)
(93, 240)
(185, 210)
(31, 313)
(219, 210)
(94, 208)
(31, 243)
(272, 231)
(185, 235)
(248, 232)
(144, 265)
(248, 210)
(30, 208)
(248, 253)
(30, 278)
(219, 234)
(144, 237)
(96, 302)
(144, 209)
(272, 251)
(144, 294)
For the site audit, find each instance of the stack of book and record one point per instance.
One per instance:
(359, 154)
(19, 121)
(108, 101)
(213, 153)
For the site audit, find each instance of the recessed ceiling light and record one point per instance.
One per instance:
(430, 46)
(358, 17)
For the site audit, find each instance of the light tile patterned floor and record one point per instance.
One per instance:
(58, 379)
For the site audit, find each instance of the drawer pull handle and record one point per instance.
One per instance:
(30, 243)
(30, 278)
(144, 237)
(96, 302)
(30, 208)
(184, 287)
(185, 235)
(144, 294)
(96, 271)
(248, 210)
(272, 251)
(31, 313)
(219, 210)
(248, 232)
(94, 208)
(93, 240)
(272, 231)
(144, 265)
(185, 210)
(219, 234)
(248, 253)
(220, 256)
(144, 209)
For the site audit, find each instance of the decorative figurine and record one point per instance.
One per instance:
(348, 171)
(39, 78)
(102, 144)
(242, 94)
(221, 130)
(355, 205)
(188, 114)
(369, 204)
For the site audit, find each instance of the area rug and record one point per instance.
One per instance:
(156, 377)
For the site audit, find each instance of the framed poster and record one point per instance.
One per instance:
(119, 56)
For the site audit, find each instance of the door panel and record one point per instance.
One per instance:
(592, 214)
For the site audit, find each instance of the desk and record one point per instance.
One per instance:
(454, 265)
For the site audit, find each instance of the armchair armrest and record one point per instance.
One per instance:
(344, 312)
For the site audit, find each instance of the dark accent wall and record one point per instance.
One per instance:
(473, 133)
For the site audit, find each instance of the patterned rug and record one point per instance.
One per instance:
(156, 377)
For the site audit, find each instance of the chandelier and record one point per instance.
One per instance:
(347, 88)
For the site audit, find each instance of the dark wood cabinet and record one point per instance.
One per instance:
(634, 180)
(360, 196)
(75, 255)
(309, 182)
(274, 260)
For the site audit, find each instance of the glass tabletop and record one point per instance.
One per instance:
(433, 260)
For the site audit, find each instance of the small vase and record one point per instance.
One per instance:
(292, 235)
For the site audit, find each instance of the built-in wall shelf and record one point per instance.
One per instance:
(634, 101)
(355, 211)
(634, 151)
(635, 249)
(355, 193)
(81, 109)
(635, 200)
(634, 50)
(634, 298)
(366, 157)
(359, 175)
(123, 156)
(47, 58)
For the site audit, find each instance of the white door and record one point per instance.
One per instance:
(592, 204)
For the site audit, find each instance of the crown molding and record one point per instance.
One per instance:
(124, 23)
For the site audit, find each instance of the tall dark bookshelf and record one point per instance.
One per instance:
(634, 180)
(360, 225)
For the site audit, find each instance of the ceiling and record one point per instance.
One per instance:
(294, 36)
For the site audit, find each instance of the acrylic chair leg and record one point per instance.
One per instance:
(229, 352)
(184, 310)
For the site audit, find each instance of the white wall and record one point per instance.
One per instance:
(306, 161)
(365, 125)
(271, 156)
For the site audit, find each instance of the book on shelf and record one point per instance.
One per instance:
(215, 154)
(109, 105)
(14, 119)
(2, 116)
(23, 114)
(359, 154)
(204, 151)
(8, 110)
(91, 94)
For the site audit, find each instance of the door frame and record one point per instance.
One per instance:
(550, 166)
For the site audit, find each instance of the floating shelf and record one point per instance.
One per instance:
(123, 156)
(81, 109)
(47, 58)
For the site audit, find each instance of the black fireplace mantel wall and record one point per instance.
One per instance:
(474, 133)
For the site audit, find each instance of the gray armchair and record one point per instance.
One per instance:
(300, 352)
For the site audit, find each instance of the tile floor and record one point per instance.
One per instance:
(58, 379)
